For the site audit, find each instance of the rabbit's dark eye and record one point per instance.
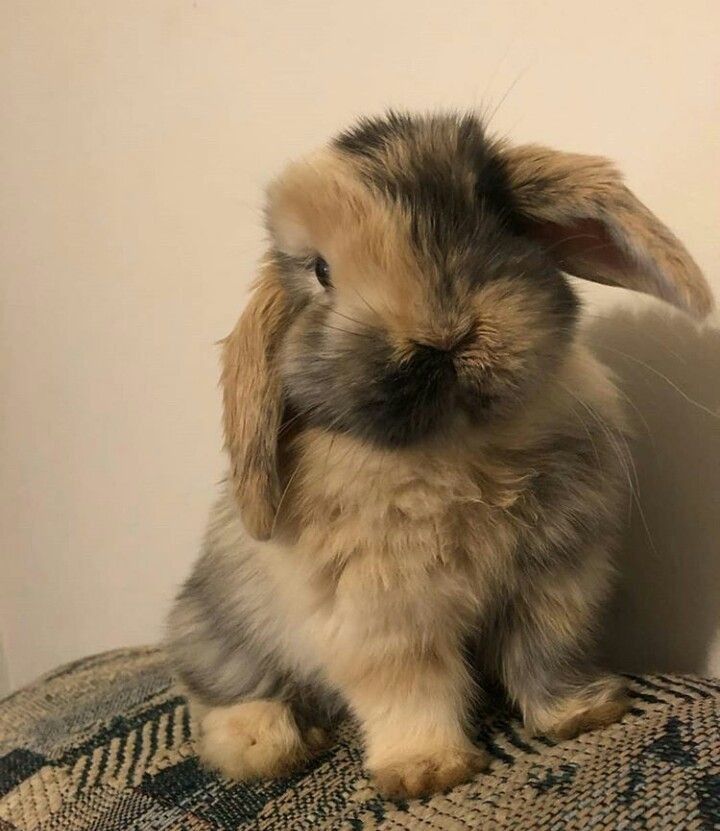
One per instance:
(322, 272)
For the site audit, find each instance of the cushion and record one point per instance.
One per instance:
(106, 744)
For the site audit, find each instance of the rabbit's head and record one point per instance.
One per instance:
(414, 287)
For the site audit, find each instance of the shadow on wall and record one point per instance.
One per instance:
(666, 613)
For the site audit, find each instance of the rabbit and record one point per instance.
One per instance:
(428, 471)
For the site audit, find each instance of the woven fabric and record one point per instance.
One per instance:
(105, 744)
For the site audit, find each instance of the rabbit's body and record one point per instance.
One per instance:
(428, 471)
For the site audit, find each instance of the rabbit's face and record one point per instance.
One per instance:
(419, 305)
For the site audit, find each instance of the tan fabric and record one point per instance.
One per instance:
(106, 745)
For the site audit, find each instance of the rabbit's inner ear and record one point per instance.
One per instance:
(584, 248)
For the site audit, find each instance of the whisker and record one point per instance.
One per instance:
(667, 380)
(282, 498)
(512, 86)
(491, 79)
(613, 436)
(347, 331)
(374, 311)
(347, 317)
(286, 424)
(306, 412)
(637, 412)
(589, 434)
(648, 335)
(626, 461)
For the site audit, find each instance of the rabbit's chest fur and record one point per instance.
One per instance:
(392, 552)
(387, 521)
(382, 560)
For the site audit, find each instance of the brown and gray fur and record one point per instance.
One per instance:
(427, 469)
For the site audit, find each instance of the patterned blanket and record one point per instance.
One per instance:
(105, 744)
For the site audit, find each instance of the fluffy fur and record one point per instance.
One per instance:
(427, 469)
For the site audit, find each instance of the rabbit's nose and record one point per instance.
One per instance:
(447, 342)
(435, 359)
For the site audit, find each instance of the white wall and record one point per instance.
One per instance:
(135, 139)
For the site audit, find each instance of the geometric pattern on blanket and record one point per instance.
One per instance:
(106, 744)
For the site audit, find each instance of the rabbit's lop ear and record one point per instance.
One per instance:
(594, 227)
(253, 402)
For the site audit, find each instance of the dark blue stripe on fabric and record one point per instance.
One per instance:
(645, 682)
(679, 681)
(16, 766)
(119, 727)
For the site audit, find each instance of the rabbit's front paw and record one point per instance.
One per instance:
(252, 740)
(428, 774)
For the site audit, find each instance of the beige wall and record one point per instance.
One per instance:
(135, 139)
